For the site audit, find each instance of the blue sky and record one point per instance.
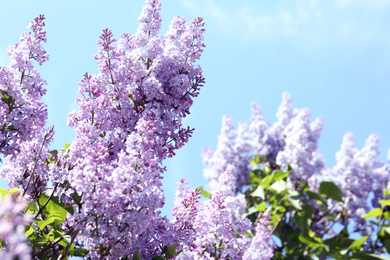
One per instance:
(333, 56)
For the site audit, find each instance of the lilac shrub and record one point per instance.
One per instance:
(291, 145)
(107, 192)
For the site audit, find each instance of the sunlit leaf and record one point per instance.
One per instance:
(330, 190)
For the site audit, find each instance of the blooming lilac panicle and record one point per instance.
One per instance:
(285, 111)
(291, 141)
(265, 143)
(218, 226)
(129, 121)
(261, 247)
(149, 21)
(23, 114)
(359, 173)
(184, 213)
(232, 153)
(12, 231)
(300, 151)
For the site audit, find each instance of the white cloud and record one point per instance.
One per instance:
(313, 22)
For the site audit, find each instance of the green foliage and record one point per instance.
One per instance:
(137, 255)
(47, 231)
(8, 100)
(293, 217)
(330, 190)
(170, 251)
(204, 193)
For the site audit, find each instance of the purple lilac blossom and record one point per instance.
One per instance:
(358, 174)
(264, 141)
(291, 141)
(184, 213)
(261, 247)
(219, 228)
(300, 151)
(23, 114)
(232, 153)
(129, 121)
(12, 231)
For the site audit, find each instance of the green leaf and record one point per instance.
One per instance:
(33, 208)
(280, 175)
(253, 178)
(294, 199)
(251, 210)
(267, 181)
(357, 244)
(385, 202)
(53, 208)
(204, 193)
(10, 128)
(56, 224)
(43, 223)
(309, 241)
(66, 146)
(261, 207)
(249, 234)
(330, 190)
(29, 231)
(157, 258)
(259, 192)
(4, 192)
(170, 251)
(77, 199)
(137, 255)
(279, 186)
(255, 160)
(381, 257)
(81, 252)
(373, 213)
(302, 221)
(313, 195)
(387, 245)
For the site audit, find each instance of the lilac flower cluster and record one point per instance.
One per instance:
(291, 141)
(129, 121)
(23, 115)
(260, 247)
(219, 230)
(232, 154)
(358, 174)
(12, 237)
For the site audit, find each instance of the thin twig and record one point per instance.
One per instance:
(46, 138)
(65, 252)
(52, 244)
(51, 196)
